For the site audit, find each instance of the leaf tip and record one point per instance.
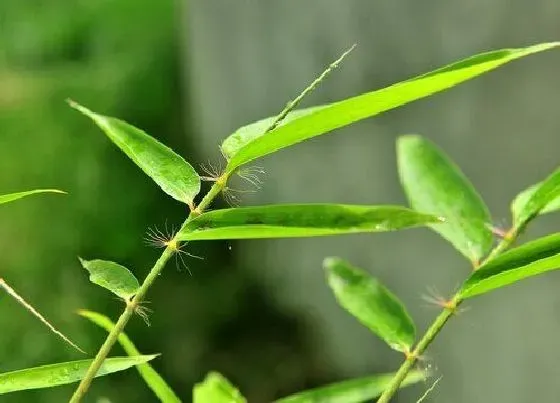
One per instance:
(330, 262)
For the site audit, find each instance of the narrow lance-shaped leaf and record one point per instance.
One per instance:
(528, 260)
(171, 172)
(371, 303)
(434, 184)
(330, 117)
(15, 196)
(300, 220)
(112, 276)
(154, 381)
(356, 390)
(51, 375)
(216, 389)
(542, 198)
(245, 134)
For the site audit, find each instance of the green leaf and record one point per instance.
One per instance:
(339, 114)
(371, 303)
(171, 172)
(154, 381)
(15, 196)
(542, 198)
(300, 220)
(244, 135)
(528, 260)
(216, 389)
(112, 276)
(434, 184)
(352, 391)
(63, 373)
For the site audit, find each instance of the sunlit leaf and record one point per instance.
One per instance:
(171, 172)
(15, 196)
(356, 390)
(244, 135)
(542, 198)
(339, 114)
(216, 389)
(434, 184)
(371, 303)
(112, 276)
(300, 220)
(528, 260)
(155, 382)
(63, 373)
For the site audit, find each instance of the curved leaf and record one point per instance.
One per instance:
(154, 381)
(300, 220)
(112, 276)
(339, 114)
(353, 390)
(434, 184)
(371, 303)
(171, 172)
(216, 389)
(541, 198)
(528, 260)
(15, 196)
(63, 373)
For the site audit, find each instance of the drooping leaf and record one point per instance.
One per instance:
(154, 381)
(339, 114)
(528, 260)
(112, 276)
(371, 303)
(47, 376)
(215, 388)
(15, 196)
(542, 198)
(434, 184)
(300, 220)
(171, 172)
(353, 390)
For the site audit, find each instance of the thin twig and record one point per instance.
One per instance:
(293, 104)
(11, 292)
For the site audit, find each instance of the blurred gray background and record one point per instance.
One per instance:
(190, 73)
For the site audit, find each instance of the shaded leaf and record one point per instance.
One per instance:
(339, 114)
(112, 276)
(434, 184)
(15, 196)
(300, 220)
(528, 260)
(353, 390)
(541, 198)
(216, 389)
(155, 382)
(63, 373)
(371, 303)
(171, 172)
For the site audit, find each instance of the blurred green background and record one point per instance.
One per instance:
(190, 73)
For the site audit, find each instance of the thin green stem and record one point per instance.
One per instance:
(132, 305)
(411, 359)
(438, 324)
(294, 103)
